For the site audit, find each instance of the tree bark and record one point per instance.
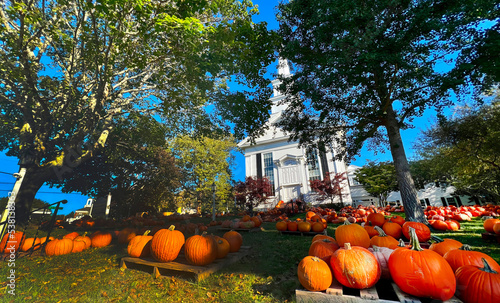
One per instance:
(407, 189)
(32, 182)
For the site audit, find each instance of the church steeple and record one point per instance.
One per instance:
(283, 72)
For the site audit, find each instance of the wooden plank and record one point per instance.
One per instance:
(404, 297)
(369, 293)
(335, 288)
(489, 236)
(255, 229)
(180, 267)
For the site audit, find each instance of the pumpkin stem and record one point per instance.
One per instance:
(380, 231)
(375, 248)
(487, 268)
(414, 240)
(346, 222)
(465, 247)
(171, 228)
(146, 232)
(347, 246)
(401, 243)
(436, 239)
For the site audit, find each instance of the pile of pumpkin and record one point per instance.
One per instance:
(313, 222)
(166, 244)
(492, 225)
(358, 261)
(246, 222)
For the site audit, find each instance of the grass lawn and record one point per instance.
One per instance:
(267, 274)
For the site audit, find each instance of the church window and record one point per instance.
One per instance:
(268, 168)
(313, 165)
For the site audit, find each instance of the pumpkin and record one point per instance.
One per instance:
(383, 240)
(28, 243)
(140, 246)
(322, 248)
(465, 256)
(200, 250)
(488, 224)
(223, 247)
(58, 247)
(355, 267)
(11, 240)
(353, 234)
(452, 224)
(322, 236)
(393, 229)
(292, 226)
(439, 225)
(317, 227)
(245, 218)
(101, 238)
(478, 284)
(314, 274)
(84, 238)
(257, 221)
(78, 245)
(281, 225)
(304, 226)
(496, 228)
(423, 232)
(125, 235)
(442, 246)
(397, 219)
(71, 235)
(382, 255)
(376, 219)
(370, 230)
(166, 244)
(422, 272)
(235, 240)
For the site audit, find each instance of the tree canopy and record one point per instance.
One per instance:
(464, 151)
(378, 179)
(70, 69)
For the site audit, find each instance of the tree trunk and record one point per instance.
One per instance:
(33, 180)
(413, 209)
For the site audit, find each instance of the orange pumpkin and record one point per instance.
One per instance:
(478, 284)
(86, 239)
(71, 235)
(383, 240)
(353, 234)
(235, 240)
(393, 229)
(78, 245)
(430, 275)
(166, 244)
(200, 250)
(355, 267)
(11, 242)
(58, 247)
(125, 235)
(376, 219)
(488, 224)
(314, 274)
(223, 247)
(304, 226)
(370, 230)
(397, 219)
(322, 248)
(423, 232)
(465, 256)
(442, 246)
(321, 237)
(101, 239)
(292, 226)
(317, 227)
(281, 225)
(140, 246)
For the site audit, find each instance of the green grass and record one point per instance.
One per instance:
(267, 274)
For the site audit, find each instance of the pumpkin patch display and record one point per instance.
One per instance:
(478, 284)
(314, 274)
(166, 244)
(355, 267)
(353, 234)
(422, 272)
(200, 250)
(140, 246)
(235, 240)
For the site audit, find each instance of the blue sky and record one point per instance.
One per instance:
(8, 165)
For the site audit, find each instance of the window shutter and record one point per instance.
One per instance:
(259, 165)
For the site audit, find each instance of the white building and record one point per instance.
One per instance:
(433, 194)
(287, 165)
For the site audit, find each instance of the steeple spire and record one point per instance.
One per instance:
(283, 68)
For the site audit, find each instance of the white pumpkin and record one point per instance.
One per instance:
(382, 255)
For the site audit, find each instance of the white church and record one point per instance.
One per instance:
(289, 167)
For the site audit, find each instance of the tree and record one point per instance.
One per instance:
(70, 69)
(253, 192)
(204, 161)
(465, 150)
(364, 70)
(378, 179)
(330, 187)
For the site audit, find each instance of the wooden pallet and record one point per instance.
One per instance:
(384, 292)
(180, 267)
(255, 229)
(300, 233)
